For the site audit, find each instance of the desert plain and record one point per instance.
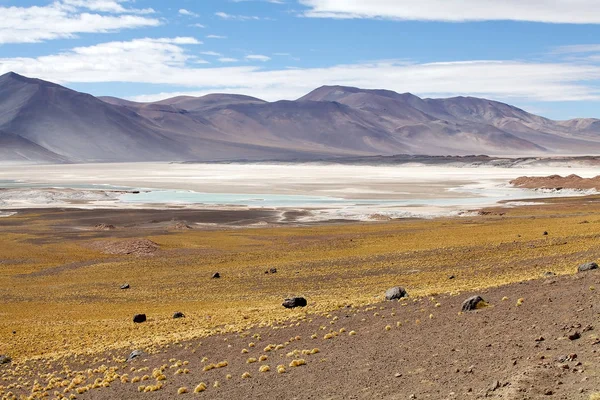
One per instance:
(68, 330)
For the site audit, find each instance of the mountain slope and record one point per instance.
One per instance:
(79, 126)
(42, 121)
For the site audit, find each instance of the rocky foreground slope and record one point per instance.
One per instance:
(42, 121)
(533, 340)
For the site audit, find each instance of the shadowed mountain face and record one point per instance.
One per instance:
(44, 122)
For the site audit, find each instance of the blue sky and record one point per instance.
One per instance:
(542, 55)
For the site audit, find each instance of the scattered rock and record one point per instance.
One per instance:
(574, 336)
(398, 375)
(545, 233)
(452, 277)
(473, 303)
(5, 359)
(105, 227)
(125, 286)
(138, 247)
(548, 274)
(395, 293)
(178, 314)
(180, 226)
(294, 302)
(139, 318)
(135, 354)
(216, 275)
(271, 271)
(540, 339)
(587, 267)
(495, 386)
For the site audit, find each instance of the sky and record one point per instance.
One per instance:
(540, 55)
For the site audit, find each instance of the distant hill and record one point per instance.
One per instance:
(44, 122)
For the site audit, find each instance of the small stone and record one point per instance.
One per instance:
(587, 267)
(178, 314)
(5, 359)
(398, 375)
(125, 286)
(395, 293)
(549, 392)
(473, 303)
(294, 302)
(540, 339)
(139, 318)
(495, 386)
(135, 354)
(216, 275)
(574, 336)
(545, 233)
(451, 277)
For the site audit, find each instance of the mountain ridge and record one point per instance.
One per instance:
(57, 124)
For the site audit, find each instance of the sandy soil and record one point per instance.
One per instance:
(557, 182)
(411, 349)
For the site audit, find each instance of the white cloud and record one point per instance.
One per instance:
(170, 61)
(223, 15)
(67, 18)
(228, 60)
(198, 26)
(110, 6)
(549, 11)
(188, 13)
(211, 53)
(258, 57)
(216, 37)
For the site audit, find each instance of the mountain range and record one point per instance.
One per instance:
(44, 122)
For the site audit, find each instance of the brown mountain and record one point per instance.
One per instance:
(50, 123)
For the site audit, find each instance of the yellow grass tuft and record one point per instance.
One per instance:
(200, 388)
(182, 390)
(352, 333)
(297, 363)
(520, 302)
(264, 368)
(246, 375)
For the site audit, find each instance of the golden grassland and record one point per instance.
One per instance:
(63, 298)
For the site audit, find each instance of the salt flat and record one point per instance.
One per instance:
(330, 190)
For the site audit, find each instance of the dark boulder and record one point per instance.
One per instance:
(587, 267)
(139, 318)
(178, 314)
(395, 293)
(294, 302)
(125, 286)
(473, 303)
(135, 354)
(216, 275)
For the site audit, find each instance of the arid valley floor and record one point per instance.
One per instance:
(68, 326)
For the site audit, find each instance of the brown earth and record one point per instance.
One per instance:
(424, 348)
(557, 182)
(520, 351)
(139, 247)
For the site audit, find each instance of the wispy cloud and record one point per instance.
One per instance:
(548, 11)
(68, 18)
(258, 57)
(188, 13)
(226, 16)
(170, 61)
(211, 53)
(216, 37)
